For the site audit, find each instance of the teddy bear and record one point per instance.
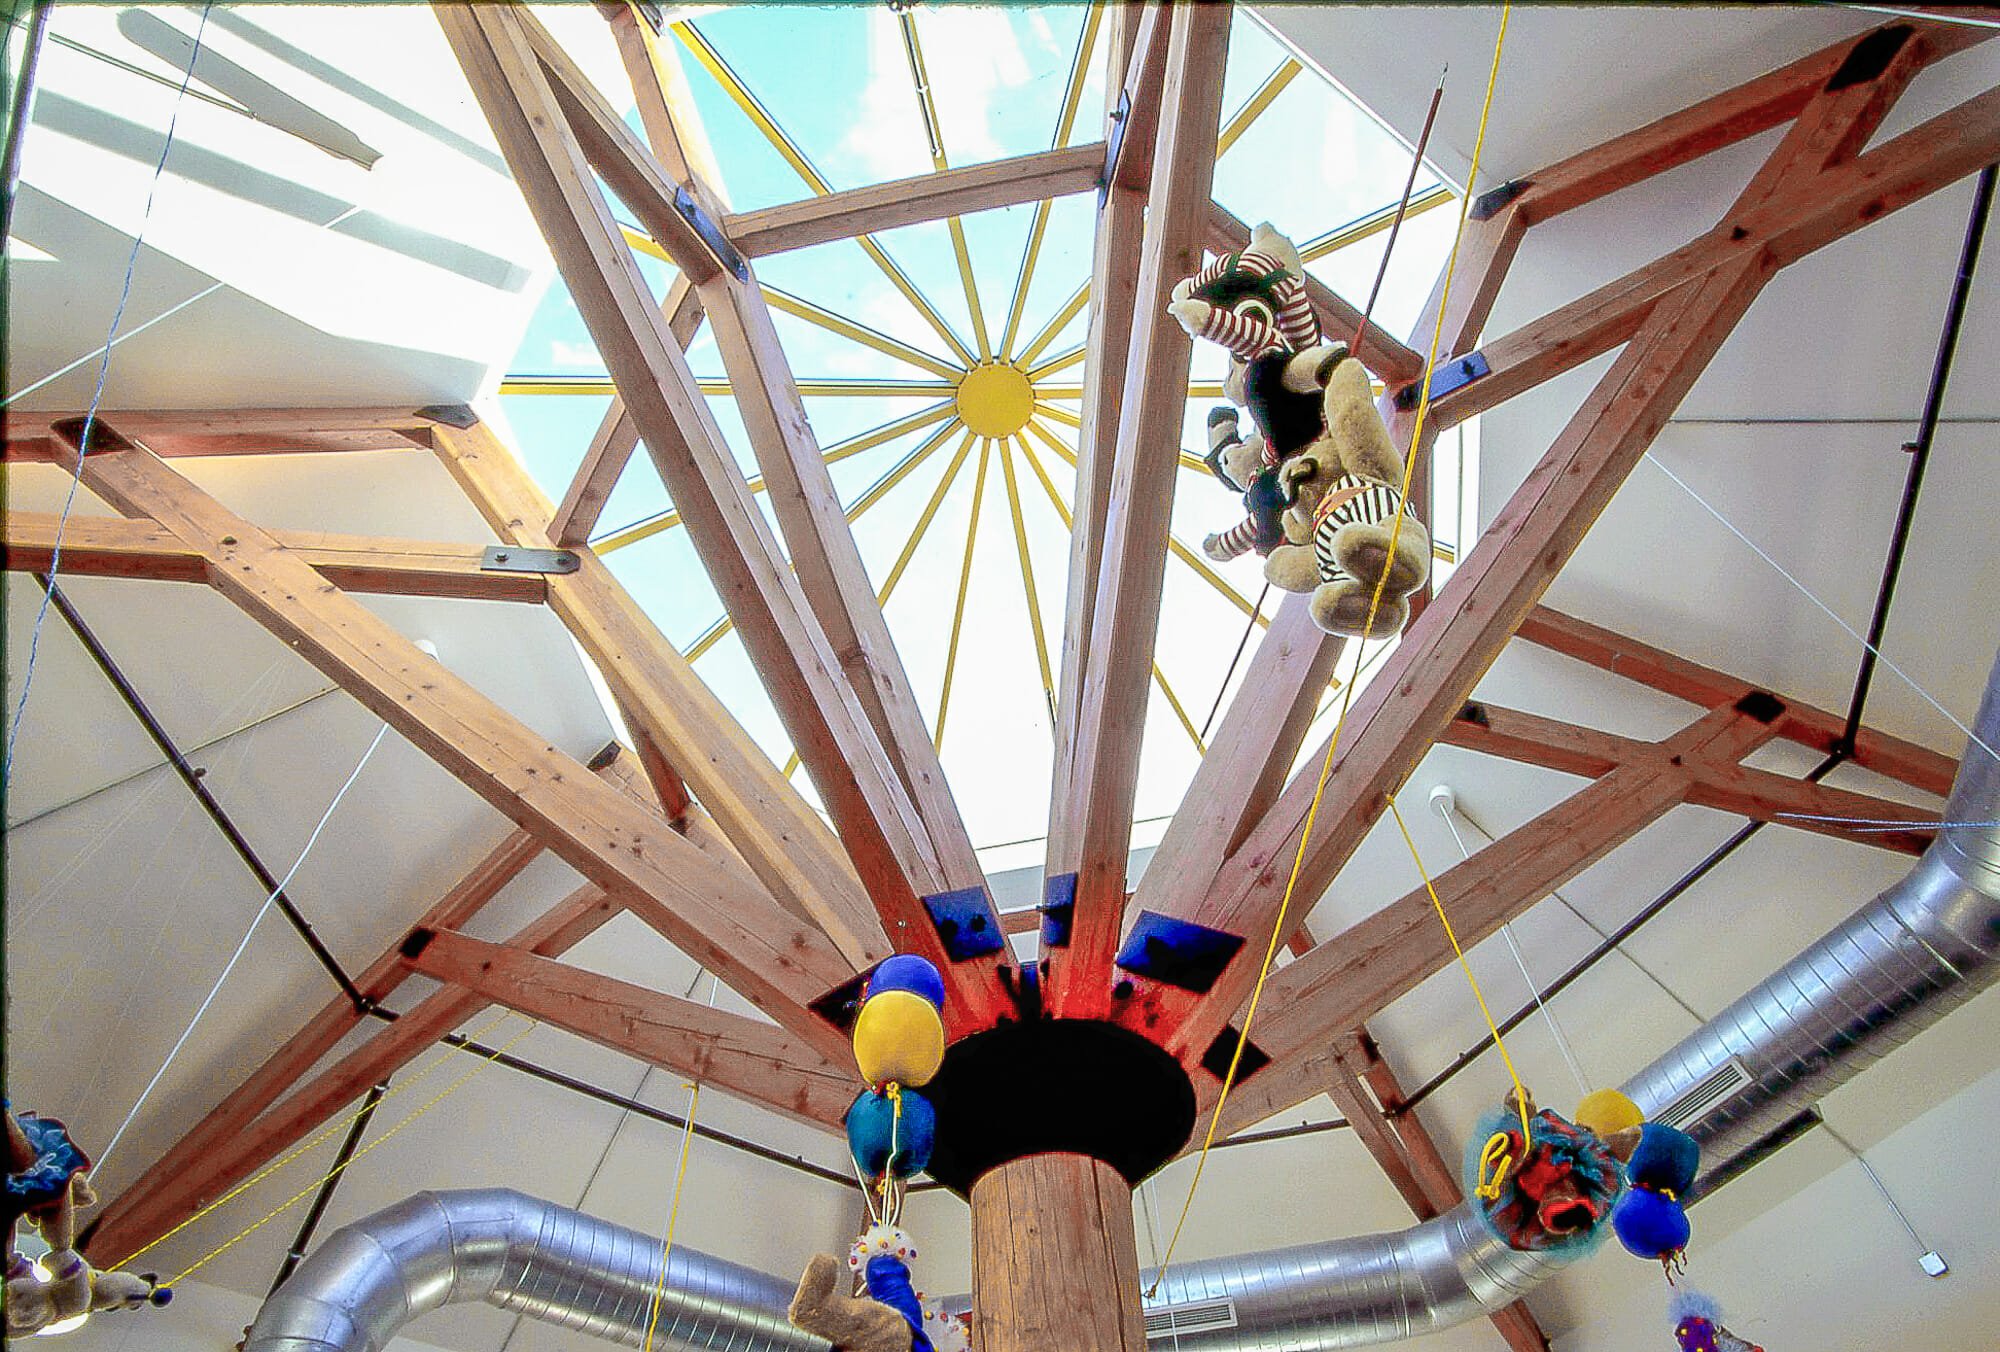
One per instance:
(47, 1184)
(1319, 476)
(1344, 491)
(891, 1317)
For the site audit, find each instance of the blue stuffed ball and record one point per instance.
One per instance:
(872, 1127)
(1665, 1160)
(1651, 1226)
(908, 972)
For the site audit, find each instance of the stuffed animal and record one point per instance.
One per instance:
(1549, 1192)
(1698, 1326)
(890, 1318)
(1247, 466)
(47, 1184)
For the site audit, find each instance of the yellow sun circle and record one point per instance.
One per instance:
(995, 399)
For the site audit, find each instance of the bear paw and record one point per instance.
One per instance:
(1341, 607)
(1362, 549)
(1292, 568)
(1192, 314)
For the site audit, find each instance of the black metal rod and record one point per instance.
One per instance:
(319, 1204)
(23, 109)
(192, 778)
(1920, 451)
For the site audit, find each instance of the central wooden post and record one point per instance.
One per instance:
(1054, 1261)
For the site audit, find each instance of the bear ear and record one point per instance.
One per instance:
(1265, 239)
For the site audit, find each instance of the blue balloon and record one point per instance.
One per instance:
(871, 1126)
(908, 972)
(1651, 1226)
(1665, 1160)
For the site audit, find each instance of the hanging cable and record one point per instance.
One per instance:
(680, 1179)
(96, 398)
(1333, 743)
(269, 901)
(1249, 628)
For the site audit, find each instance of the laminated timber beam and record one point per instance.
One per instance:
(1111, 708)
(1811, 197)
(757, 1062)
(237, 431)
(546, 128)
(676, 719)
(1136, 42)
(104, 546)
(739, 932)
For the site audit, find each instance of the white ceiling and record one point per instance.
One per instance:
(122, 907)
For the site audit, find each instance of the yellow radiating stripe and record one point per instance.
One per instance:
(1028, 574)
(1175, 545)
(739, 93)
(653, 525)
(964, 586)
(1267, 92)
(927, 107)
(1070, 310)
(924, 519)
(1065, 125)
(1061, 415)
(1374, 223)
(1174, 702)
(1073, 357)
(881, 342)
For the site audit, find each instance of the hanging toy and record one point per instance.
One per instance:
(1548, 1193)
(47, 1184)
(1607, 1112)
(1651, 1219)
(1320, 477)
(898, 1043)
(1698, 1326)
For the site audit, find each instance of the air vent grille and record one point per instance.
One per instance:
(1709, 1093)
(1195, 1316)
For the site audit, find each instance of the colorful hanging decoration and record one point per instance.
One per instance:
(1651, 1220)
(47, 1183)
(1547, 1193)
(1698, 1325)
(898, 1046)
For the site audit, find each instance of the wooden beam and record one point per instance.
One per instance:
(757, 1062)
(103, 546)
(765, 953)
(243, 1139)
(878, 825)
(1904, 761)
(782, 840)
(907, 201)
(617, 436)
(1114, 280)
(238, 431)
(1701, 128)
(1111, 711)
(823, 551)
(1380, 353)
(1055, 1261)
(1428, 677)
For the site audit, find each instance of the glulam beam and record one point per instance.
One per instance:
(236, 431)
(1111, 708)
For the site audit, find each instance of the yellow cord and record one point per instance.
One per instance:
(1347, 694)
(325, 1133)
(673, 1217)
(336, 1171)
(1499, 1043)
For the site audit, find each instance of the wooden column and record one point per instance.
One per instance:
(1054, 1260)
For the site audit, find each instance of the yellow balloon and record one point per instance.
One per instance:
(1607, 1112)
(898, 1037)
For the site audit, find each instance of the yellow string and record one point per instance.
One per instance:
(336, 1171)
(325, 1133)
(1499, 1043)
(1347, 694)
(673, 1216)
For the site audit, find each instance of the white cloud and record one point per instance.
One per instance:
(574, 356)
(972, 57)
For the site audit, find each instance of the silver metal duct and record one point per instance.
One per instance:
(1895, 967)
(1345, 1292)
(357, 1290)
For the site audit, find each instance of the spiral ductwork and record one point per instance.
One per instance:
(1895, 967)
(358, 1290)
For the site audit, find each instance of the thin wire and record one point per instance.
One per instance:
(1230, 675)
(673, 1214)
(1866, 824)
(230, 966)
(1347, 694)
(1806, 592)
(96, 398)
(342, 1167)
(1534, 987)
(1499, 1043)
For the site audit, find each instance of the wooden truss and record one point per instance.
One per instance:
(699, 836)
